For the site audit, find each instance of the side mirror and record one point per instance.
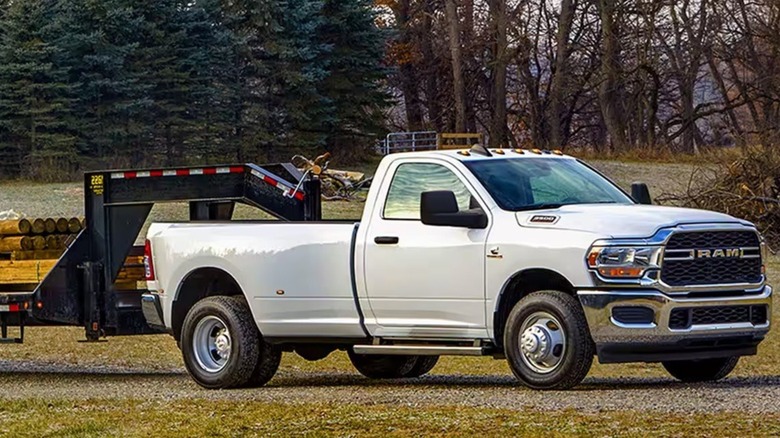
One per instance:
(641, 193)
(440, 208)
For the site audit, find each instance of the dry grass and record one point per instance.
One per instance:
(207, 418)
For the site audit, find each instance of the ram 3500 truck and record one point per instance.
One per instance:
(529, 255)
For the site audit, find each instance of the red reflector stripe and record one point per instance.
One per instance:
(176, 172)
(269, 180)
(299, 195)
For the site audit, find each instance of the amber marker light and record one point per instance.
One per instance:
(519, 151)
(537, 151)
(621, 272)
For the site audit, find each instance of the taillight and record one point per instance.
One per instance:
(148, 264)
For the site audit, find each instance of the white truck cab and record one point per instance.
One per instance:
(531, 256)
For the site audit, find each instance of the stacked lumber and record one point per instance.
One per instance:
(30, 248)
(38, 234)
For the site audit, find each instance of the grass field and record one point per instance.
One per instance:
(124, 414)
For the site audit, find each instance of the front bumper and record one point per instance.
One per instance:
(655, 341)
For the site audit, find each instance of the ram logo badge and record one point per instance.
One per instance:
(720, 253)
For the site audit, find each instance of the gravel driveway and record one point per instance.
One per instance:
(24, 380)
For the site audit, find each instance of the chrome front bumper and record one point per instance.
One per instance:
(652, 342)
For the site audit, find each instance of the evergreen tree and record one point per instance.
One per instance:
(101, 38)
(354, 82)
(34, 91)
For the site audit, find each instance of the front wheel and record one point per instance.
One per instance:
(547, 341)
(706, 370)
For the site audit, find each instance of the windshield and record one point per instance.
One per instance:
(537, 183)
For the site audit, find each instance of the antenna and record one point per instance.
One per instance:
(480, 149)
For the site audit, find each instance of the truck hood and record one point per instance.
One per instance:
(619, 221)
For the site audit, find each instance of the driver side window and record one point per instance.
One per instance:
(411, 180)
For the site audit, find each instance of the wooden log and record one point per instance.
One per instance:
(74, 225)
(53, 241)
(15, 227)
(16, 243)
(62, 225)
(26, 271)
(38, 242)
(51, 225)
(38, 226)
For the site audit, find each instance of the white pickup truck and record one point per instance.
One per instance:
(532, 256)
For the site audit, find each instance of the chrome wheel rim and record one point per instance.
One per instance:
(212, 344)
(542, 342)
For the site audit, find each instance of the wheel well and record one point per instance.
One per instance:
(520, 285)
(197, 285)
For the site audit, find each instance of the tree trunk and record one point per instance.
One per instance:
(610, 93)
(560, 73)
(458, 83)
(409, 82)
(498, 119)
(431, 62)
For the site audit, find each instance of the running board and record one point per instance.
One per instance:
(420, 350)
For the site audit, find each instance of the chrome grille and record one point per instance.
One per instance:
(709, 258)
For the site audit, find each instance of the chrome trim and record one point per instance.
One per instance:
(652, 277)
(598, 306)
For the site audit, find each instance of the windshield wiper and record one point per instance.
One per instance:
(544, 206)
(554, 205)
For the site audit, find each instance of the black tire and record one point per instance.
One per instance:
(381, 366)
(268, 359)
(422, 365)
(575, 355)
(706, 370)
(241, 363)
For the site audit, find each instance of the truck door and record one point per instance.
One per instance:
(424, 280)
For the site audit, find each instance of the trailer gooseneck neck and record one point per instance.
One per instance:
(80, 289)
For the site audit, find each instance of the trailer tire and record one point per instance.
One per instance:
(382, 366)
(706, 370)
(547, 341)
(220, 343)
(422, 366)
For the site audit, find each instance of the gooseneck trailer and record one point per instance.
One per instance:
(80, 290)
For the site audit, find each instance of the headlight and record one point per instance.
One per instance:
(624, 262)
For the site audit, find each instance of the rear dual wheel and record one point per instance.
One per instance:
(222, 347)
(385, 366)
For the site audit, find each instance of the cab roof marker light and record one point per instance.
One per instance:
(519, 151)
(557, 152)
(498, 151)
(537, 151)
(465, 153)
